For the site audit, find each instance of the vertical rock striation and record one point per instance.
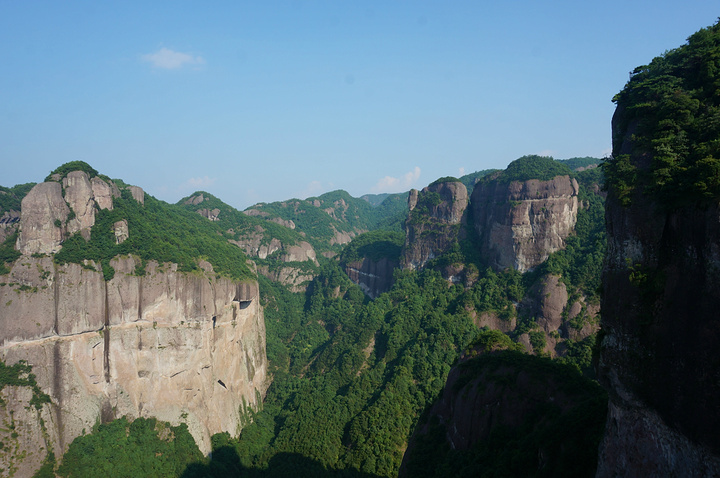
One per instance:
(520, 223)
(152, 341)
(179, 347)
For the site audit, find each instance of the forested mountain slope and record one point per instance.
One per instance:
(350, 376)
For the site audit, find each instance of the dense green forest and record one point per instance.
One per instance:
(553, 439)
(144, 447)
(322, 217)
(10, 198)
(160, 232)
(236, 224)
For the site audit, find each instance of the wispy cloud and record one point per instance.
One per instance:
(168, 59)
(390, 184)
(198, 183)
(311, 189)
(461, 171)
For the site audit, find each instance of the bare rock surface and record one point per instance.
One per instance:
(299, 253)
(373, 277)
(434, 222)
(80, 198)
(176, 346)
(137, 193)
(521, 223)
(9, 223)
(104, 193)
(42, 218)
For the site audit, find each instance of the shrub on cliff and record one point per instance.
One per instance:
(66, 168)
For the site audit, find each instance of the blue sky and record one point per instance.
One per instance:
(264, 101)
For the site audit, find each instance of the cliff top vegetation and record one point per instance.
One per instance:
(529, 167)
(668, 125)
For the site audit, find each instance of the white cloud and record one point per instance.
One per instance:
(546, 152)
(403, 183)
(461, 171)
(171, 60)
(312, 189)
(199, 183)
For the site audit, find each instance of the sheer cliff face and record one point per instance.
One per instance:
(373, 277)
(521, 223)
(659, 358)
(434, 223)
(177, 346)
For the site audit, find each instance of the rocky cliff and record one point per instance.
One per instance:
(435, 221)
(659, 358)
(520, 223)
(373, 276)
(150, 341)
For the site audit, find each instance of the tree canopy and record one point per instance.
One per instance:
(669, 114)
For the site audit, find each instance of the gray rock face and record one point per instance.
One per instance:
(296, 279)
(521, 223)
(42, 210)
(299, 253)
(104, 193)
(47, 217)
(81, 199)
(137, 193)
(180, 347)
(121, 230)
(211, 214)
(373, 277)
(638, 443)
(434, 222)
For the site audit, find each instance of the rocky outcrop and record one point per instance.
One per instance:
(373, 277)
(294, 278)
(104, 193)
(434, 223)
(52, 211)
(180, 347)
(43, 214)
(659, 355)
(299, 253)
(79, 195)
(256, 245)
(121, 231)
(137, 193)
(341, 237)
(521, 223)
(211, 214)
(278, 220)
